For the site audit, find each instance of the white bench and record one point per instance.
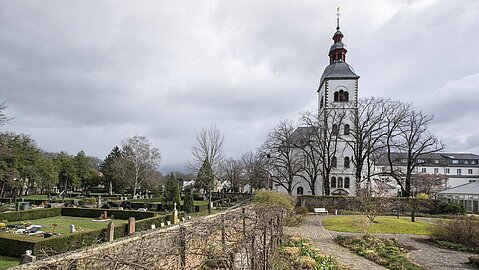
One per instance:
(320, 210)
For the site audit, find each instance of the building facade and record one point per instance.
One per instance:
(337, 106)
(458, 168)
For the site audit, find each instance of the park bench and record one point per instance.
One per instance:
(320, 210)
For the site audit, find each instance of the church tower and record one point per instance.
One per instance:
(337, 109)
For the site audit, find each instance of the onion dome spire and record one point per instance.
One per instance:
(338, 51)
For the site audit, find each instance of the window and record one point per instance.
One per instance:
(423, 170)
(346, 162)
(335, 130)
(299, 191)
(455, 161)
(346, 182)
(466, 161)
(436, 170)
(346, 129)
(473, 162)
(333, 182)
(447, 170)
(321, 104)
(334, 162)
(458, 171)
(420, 161)
(469, 171)
(403, 160)
(436, 161)
(340, 182)
(341, 96)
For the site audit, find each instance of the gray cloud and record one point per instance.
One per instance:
(79, 75)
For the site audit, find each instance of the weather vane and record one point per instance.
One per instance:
(338, 14)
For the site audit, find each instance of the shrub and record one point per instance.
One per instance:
(95, 212)
(302, 210)
(450, 208)
(269, 197)
(298, 253)
(31, 214)
(460, 230)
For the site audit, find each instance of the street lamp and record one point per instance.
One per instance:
(398, 200)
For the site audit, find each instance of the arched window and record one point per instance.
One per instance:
(299, 191)
(333, 182)
(346, 162)
(346, 182)
(346, 129)
(334, 162)
(340, 182)
(335, 130)
(341, 96)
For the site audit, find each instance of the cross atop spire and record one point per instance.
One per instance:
(337, 20)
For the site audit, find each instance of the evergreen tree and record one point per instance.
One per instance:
(205, 180)
(110, 174)
(172, 192)
(188, 201)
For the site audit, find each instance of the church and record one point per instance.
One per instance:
(337, 106)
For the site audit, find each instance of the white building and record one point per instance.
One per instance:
(459, 168)
(337, 104)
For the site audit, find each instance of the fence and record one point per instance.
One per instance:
(243, 238)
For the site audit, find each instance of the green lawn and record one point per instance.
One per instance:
(7, 262)
(381, 225)
(64, 222)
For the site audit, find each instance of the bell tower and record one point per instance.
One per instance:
(337, 108)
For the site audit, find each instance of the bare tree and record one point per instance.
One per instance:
(3, 117)
(232, 172)
(428, 183)
(256, 170)
(308, 140)
(138, 162)
(283, 156)
(209, 145)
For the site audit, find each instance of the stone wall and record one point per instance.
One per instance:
(240, 238)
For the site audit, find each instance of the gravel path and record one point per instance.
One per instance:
(428, 256)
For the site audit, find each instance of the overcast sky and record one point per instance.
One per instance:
(83, 75)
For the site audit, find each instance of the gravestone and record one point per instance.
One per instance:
(175, 215)
(168, 223)
(28, 257)
(110, 232)
(162, 224)
(131, 225)
(105, 215)
(72, 228)
(153, 226)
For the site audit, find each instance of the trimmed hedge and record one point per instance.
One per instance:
(15, 245)
(96, 212)
(352, 203)
(31, 214)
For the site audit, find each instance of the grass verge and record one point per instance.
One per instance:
(387, 252)
(391, 225)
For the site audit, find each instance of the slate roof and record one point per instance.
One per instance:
(443, 159)
(338, 70)
(469, 188)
